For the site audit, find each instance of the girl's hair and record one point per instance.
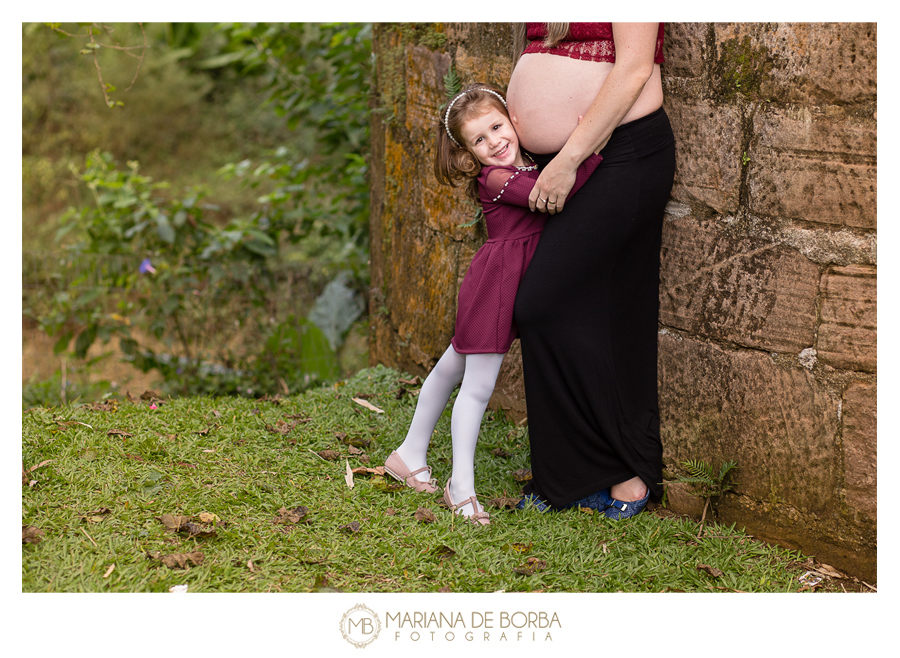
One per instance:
(556, 32)
(453, 162)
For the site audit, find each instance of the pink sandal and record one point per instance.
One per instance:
(395, 467)
(482, 517)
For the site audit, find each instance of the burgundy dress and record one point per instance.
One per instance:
(484, 316)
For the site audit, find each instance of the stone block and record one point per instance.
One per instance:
(860, 442)
(422, 301)
(683, 49)
(425, 71)
(812, 63)
(482, 55)
(743, 290)
(778, 423)
(509, 392)
(708, 152)
(446, 209)
(848, 329)
(812, 167)
(679, 499)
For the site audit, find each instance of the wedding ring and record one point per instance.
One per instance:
(540, 199)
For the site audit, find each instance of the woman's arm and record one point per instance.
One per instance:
(635, 49)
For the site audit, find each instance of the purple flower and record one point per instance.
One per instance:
(146, 267)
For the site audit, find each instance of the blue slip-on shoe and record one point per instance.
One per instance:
(622, 510)
(599, 501)
(532, 501)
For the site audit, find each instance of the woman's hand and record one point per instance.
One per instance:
(552, 187)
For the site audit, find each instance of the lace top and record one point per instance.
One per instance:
(590, 41)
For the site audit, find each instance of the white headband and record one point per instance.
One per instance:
(447, 113)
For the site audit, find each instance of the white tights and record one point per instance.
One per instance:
(478, 374)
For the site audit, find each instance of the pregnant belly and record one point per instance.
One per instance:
(547, 94)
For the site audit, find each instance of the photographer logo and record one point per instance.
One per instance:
(360, 626)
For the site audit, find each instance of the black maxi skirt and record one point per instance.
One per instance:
(587, 311)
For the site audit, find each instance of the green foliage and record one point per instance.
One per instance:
(317, 75)
(182, 124)
(452, 86)
(188, 300)
(706, 483)
(212, 261)
(704, 479)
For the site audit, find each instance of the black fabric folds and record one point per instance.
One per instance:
(587, 312)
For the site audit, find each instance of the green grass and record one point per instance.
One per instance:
(221, 456)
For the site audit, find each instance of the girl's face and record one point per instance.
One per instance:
(492, 139)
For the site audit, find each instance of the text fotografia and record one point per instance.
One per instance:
(478, 626)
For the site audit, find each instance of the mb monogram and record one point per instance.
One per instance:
(360, 625)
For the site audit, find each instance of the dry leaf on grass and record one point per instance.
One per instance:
(425, 515)
(207, 517)
(348, 475)
(330, 455)
(282, 427)
(503, 502)
(31, 535)
(532, 566)
(368, 405)
(415, 381)
(70, 423)
(195, 530)
(350, 528)
(175, 523)
(299, 514)
(519, 547)
(828, 570)
(178, 560)
(354, 441)
(500, 452)
(95, 516)
(362, 470)
(712, 571)
(109, 405)
(118, 433)
(522, 475)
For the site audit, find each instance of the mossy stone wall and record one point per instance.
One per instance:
(767, 325)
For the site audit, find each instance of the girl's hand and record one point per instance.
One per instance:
(552, 187)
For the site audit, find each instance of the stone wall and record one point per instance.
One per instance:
(767, 324)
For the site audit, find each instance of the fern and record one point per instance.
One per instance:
(452, 87)
(706, 484)
(452, 84)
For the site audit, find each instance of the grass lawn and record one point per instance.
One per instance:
(264, 484)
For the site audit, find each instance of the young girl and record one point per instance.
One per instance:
(477, 144)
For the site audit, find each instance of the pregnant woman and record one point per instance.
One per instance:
(587, 307)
